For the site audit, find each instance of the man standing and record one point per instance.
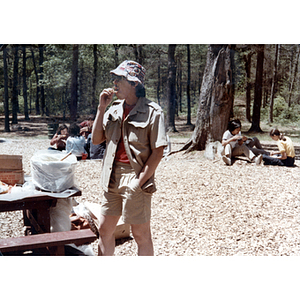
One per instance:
(134, 130)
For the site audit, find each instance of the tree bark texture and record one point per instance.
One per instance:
(15, 92)
(255, 127)
(95, 75)
(188, 86)
(247, 59)
(74, 84)
(25, 84)
(274, 83)
(171, 89)
(293, 78)
(6, 106)
(41, 84)
(158, 82)
(37, 102)
(216, 98)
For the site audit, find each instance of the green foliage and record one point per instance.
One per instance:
(282, 114)
(279, 107)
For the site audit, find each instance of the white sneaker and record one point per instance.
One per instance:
(227, 160)
(258, 159)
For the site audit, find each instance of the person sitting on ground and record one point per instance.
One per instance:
(94, 151)
(255, 146)
(286, 154)
(233, 143)
(87, 126)
(76, 142)
(59, 139)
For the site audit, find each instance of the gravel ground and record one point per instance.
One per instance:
(202, 207)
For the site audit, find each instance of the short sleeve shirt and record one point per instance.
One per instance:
(286, 146)
(143, 130)
(228, 135)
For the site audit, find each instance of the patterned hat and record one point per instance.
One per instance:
(131, 70)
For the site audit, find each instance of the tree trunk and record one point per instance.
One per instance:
(37, 102)
(15, 86)
(41, 61)
(25, 84)
(158, 82)
(274, 83)
(179, 86)
(188, 86)
(74, 84)
(95, 77)
(6, 106)
(247, 59)
(255, 127)
(171, 93)
(216, 99)
(116, 57)
(293, 78)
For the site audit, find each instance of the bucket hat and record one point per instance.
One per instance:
(131, 70)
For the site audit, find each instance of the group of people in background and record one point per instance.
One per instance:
(77, 139)
(234, 144)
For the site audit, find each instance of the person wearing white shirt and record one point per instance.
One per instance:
(75, 142)
(233, 143)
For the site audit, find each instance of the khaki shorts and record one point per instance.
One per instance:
(125, 197)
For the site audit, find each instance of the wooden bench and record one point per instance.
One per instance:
(54, 241)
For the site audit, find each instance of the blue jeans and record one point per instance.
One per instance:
(274, 161)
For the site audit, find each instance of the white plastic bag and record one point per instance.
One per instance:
(49, 173)
(60, 215)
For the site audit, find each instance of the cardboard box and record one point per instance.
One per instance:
(11, 169)
(12, 177)
(11, 162)
(122, 230)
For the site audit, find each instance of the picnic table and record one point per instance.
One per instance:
(36, 205)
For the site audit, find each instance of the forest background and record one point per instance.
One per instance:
(213, 22)
(63, 81)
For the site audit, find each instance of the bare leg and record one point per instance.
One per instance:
(107, 228)
(142, 236)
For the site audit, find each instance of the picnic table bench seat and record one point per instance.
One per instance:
(54, 241)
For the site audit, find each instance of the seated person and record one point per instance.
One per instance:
(286, 154)
(233, 143)
(86, 126)
(76, 142)
(59, 139)
(95, 151)
(255, 146)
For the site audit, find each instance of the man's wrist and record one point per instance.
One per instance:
(101, 107)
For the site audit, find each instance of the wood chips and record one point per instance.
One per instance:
(202, 207)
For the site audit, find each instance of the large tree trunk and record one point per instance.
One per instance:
(116, 56)
(37, 102)
(188, 86)
(247, 59)
(41, 61)
(255, 127)
(179, 86)
(293, 78)
(216, 99)
(95, 77)
(274, 83)
(25, 84)
(158, 82)
(171, 91)
(74, 84)
(138, 52)
(6, 107)
(15, 93)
